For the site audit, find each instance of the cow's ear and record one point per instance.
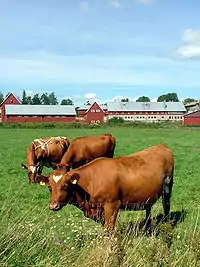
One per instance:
(42, 180)
(24, 166)
(54, 164)
(74, 178)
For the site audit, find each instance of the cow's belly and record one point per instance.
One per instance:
(140, 200)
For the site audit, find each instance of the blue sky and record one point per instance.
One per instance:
(100, 49)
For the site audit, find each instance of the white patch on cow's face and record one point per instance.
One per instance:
(57, 178)
(32, 168)
(43, 147)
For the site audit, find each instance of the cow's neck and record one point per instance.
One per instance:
(30, 156)
(79, 197)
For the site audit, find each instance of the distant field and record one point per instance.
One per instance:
(31, 235)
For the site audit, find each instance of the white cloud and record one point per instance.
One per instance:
(116, 3)
(191, 44)
(118, 98)
(84, 6)
(145, 1)
(30, 93)
(42, 68)
(154, 99)
(90, 96)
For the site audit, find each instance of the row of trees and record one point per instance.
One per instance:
(44, 99)
(170, 97)
(51, 99)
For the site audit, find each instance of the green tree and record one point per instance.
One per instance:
(66, 102)
(24, 98)
(45, 99)
(53, 99)
(36, 100)
(29, 100)
(143, 99)
(125, 100)
(1, 97)
(170, 97)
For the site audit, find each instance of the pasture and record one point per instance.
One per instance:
(31, 235)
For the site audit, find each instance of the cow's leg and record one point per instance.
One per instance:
(111, 210)
(167, 191)
(40, 168)
(148, 215)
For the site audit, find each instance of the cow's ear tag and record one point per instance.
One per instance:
(74, 181)
(42, 183)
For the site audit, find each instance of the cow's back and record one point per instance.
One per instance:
(94, 146)
(85, 149)
(52, 150)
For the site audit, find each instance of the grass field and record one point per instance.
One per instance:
(31, 235)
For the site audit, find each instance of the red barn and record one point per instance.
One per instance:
(92, 113)
(10, 99)
(13, 111)
(40, 113)
(192, 118)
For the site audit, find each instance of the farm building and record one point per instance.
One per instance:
(192, 118)
(40, 113)
(92, 113)
(13, 111)
(146, 111)
(193, 106)
(10, 99)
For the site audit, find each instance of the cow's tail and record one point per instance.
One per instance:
(166, 195)
(112, 146)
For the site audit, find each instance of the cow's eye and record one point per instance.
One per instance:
(50, 189)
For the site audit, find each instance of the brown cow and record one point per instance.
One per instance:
(42, 152)
(84, 149)
(104, 186)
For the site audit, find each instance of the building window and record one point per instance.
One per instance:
(97, 110)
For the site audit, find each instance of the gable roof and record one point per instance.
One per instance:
(40, 110)
(86, 107)
(146, 106)
(8, 97)
(194, 114)
(93, 105)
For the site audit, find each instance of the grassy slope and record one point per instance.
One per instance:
(31, 235)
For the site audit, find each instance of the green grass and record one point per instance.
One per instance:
(31, 235)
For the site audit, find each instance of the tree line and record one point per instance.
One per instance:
(51, 99)
(43, 99)
(170, 97)
(39, 99)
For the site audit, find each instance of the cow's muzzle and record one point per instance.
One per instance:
(54, 206)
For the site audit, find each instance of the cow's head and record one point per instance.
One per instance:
(60, 166)
(32, 171)
(60, 185)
